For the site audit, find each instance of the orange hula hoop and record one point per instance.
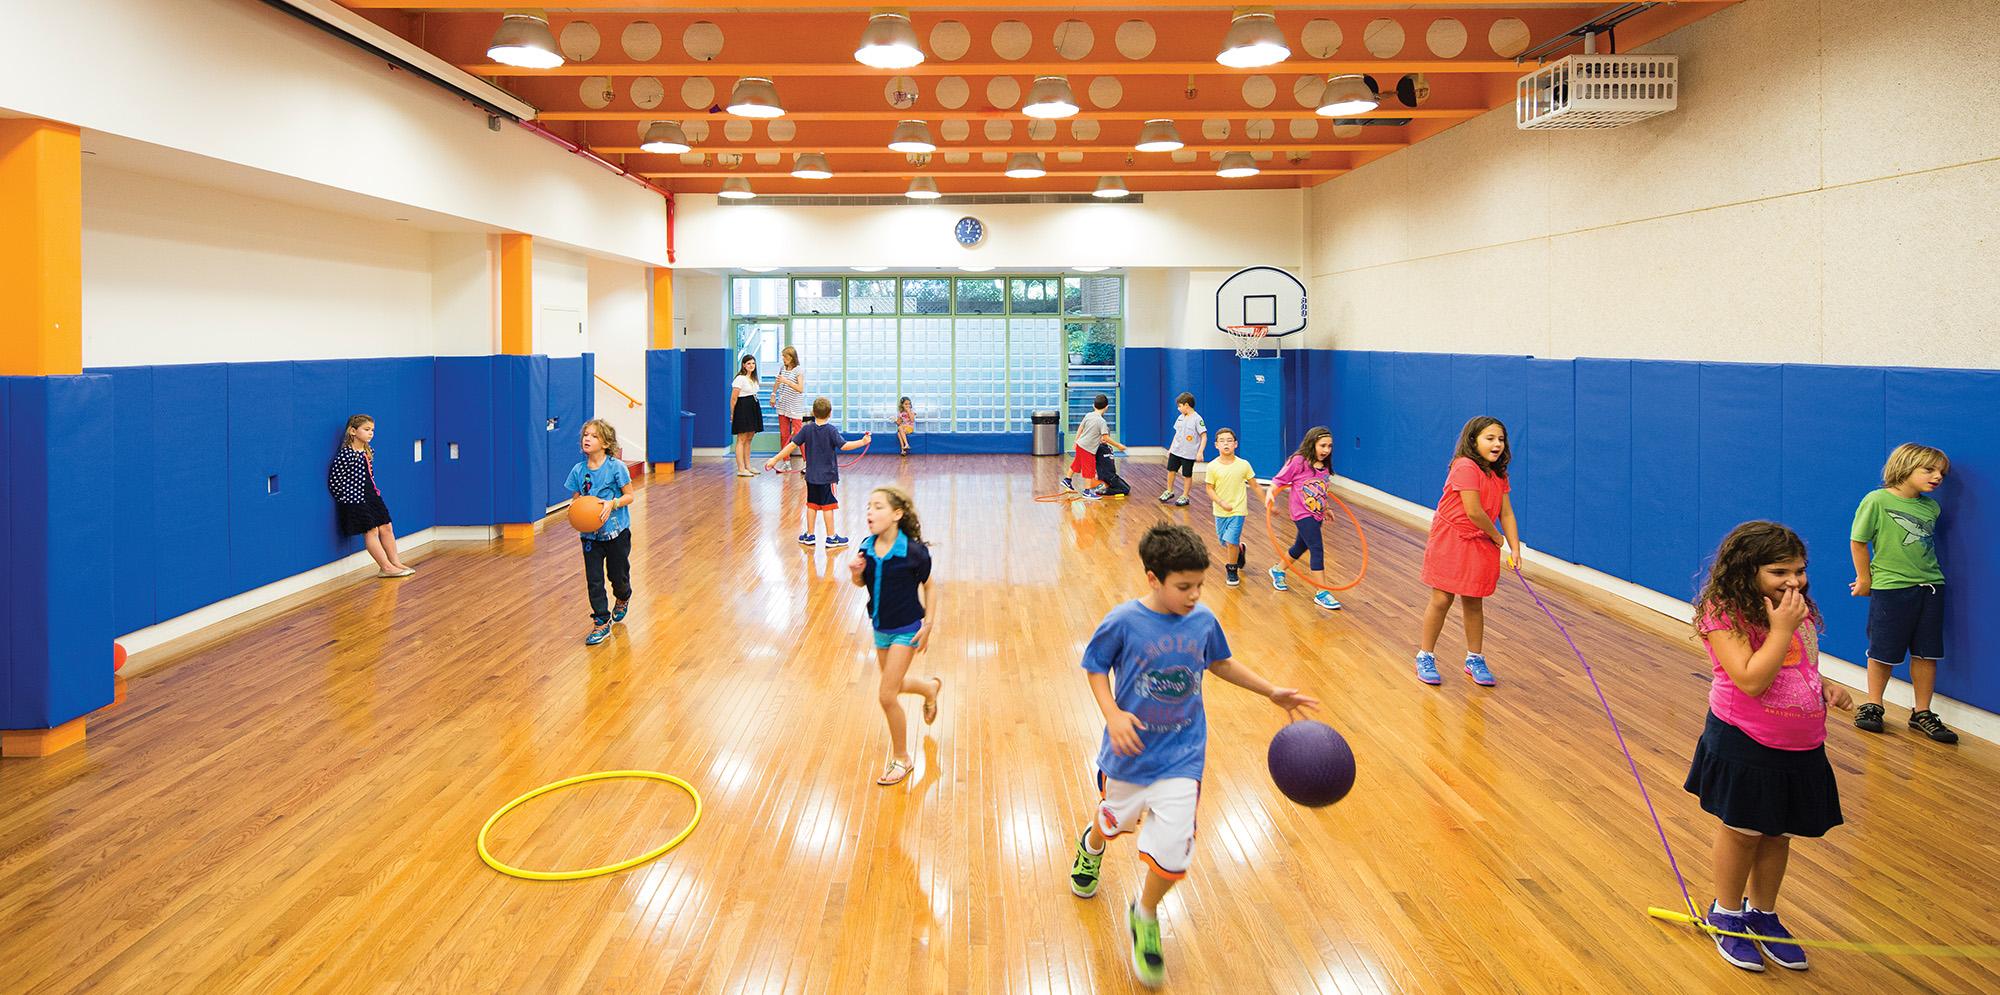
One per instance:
(1271, 533)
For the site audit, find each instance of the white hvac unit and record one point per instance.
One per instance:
(1596, 91)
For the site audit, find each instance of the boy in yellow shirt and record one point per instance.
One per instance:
(1230, 480)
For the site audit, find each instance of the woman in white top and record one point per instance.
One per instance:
(788, 399)
(745, 417)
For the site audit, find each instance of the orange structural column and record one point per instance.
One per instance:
(41, 248)
(663, 334)
(517, 296)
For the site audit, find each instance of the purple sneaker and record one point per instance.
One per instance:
(1735, 949)
(1789, 956)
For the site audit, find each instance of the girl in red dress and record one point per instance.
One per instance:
(1463, 557)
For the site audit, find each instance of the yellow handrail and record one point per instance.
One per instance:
(630, 401)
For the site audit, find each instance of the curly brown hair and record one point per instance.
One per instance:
(1468, 445)
(1731, 590)
(1311, 442)
(899, 500)
(1168, 548)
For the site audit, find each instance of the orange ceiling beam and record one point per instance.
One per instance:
(657, 114)
(1059, 6)
(1268, 144)
(1092, 67)
(1056, 172)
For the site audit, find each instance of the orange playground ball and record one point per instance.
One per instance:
(586, 513)
(117, 658)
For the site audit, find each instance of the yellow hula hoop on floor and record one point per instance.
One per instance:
(589, 872)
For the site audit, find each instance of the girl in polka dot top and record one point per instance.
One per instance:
(357, 502)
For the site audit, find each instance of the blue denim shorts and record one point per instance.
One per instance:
(1230, 530)
(1906, 621)
(906, 636)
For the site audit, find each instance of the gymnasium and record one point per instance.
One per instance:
(628, 496)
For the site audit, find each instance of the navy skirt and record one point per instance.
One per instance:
(1751, 786)
(356, 519)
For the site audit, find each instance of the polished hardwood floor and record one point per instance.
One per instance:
(293, 807)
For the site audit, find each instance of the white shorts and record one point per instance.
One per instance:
(1162, 812)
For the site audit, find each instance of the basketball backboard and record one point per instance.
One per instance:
(1261, 295)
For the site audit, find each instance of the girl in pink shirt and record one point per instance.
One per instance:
(1761, 765)
(1307, 474)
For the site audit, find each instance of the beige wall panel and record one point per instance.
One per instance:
(1913, 269)
(1748, 125)
(1360, 309)
(1494, 299)
(1737, 283)
(1482, 183)
(1909, 86)
(1362, 218)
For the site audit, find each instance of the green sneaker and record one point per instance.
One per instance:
(1083, 871)
(1146, 959)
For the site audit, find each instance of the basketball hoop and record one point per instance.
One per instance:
(1249, 339)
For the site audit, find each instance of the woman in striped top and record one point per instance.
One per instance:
(788, 399)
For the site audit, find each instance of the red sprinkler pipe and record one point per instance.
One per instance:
(568, 145)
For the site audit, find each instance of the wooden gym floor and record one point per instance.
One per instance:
(293, 807)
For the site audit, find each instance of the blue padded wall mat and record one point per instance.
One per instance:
(1604, 464)
(1220, 400)
(1668, 554)
(191, 480)
(1544, 486)
(706, 393)
(1820, 485)
(664, 382)
(1142, 396)
(464, 400)
(520, 438)
(134, 560)
(565, 407)
(401, 394)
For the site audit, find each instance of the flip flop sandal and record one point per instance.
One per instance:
(894, 773)
(930, 704)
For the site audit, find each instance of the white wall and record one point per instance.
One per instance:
(1218, 229)
(619, 321)
(176, 273)
(465, 293)
(560, 286)
(700, 309)
(240, 82)
(1827, 191)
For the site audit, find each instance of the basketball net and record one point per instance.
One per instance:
(1249, 339)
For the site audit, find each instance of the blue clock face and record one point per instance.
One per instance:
(969, 231)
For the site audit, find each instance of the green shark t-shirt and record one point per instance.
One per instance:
(1900, 531)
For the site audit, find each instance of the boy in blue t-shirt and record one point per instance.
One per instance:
(602, 475)
(822, 445)
(1145, 663)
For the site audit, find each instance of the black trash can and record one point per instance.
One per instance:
(1048, 432)
(686, 462)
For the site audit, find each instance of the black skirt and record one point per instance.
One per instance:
(748, 418)
(356, 519)
(1752, 786)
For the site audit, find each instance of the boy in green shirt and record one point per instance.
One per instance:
(1903, 583)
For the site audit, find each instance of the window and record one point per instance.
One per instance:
(816, 296)
(1034, 347)
(759, 296)
(927, 296)
(982, 296)
(981, 364)
(1034, 295)
(871, 296)
(1102, 296)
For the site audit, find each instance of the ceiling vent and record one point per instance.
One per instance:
(1585, 92)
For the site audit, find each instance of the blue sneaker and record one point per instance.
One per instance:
(1735, 949)
(618, 610)
(1068, 484)
(598, 635)
(1427, 669)
(1326, 600)
(835, 541)
(1786, 955)
(1475, 667)
(808, 539)
(1278, 579)
(1090, 495)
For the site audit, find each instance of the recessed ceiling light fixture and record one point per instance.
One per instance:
(524, 40)
(889, 42)
(976, 269)
(1253, 40)
(755, 96)
(1159, 135)
(868, 269)
(1090, 269)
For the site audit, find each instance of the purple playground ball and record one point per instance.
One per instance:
(1311, 764)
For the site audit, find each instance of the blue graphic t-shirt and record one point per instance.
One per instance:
(608, 482)
(1156, 662)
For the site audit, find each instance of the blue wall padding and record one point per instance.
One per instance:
(135, 566)
(1839, 411)
(1220, 401)
(665, 373)
(1263, 404)
(520, 438)
(1142, 396)
(565, 406)
(1185, 370)
(1544, 467)
(1740, 411)
(1952, 410)
(401, 395)
(1667, 550)
(191, 481)
(705, 392)
(1604, 464)
(58, 551)
(465, 417)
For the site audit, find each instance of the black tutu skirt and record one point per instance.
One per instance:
(1751, 786)
(356, 519)
(748, 418)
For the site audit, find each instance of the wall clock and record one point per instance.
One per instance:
(969, 231)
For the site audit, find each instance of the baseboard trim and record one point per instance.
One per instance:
(1966, 718)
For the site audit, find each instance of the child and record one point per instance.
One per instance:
(895, 567)
(822, 444)
(1229, 482)
(600, 476)
(906, 423)
(788, 399)
(1903, 583)
(1462, 559)
(1760, 766)
(1307, 473)
(1091, 432)
(1189, 442)
(746, 419)
(357, 501)
(1145, 664)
